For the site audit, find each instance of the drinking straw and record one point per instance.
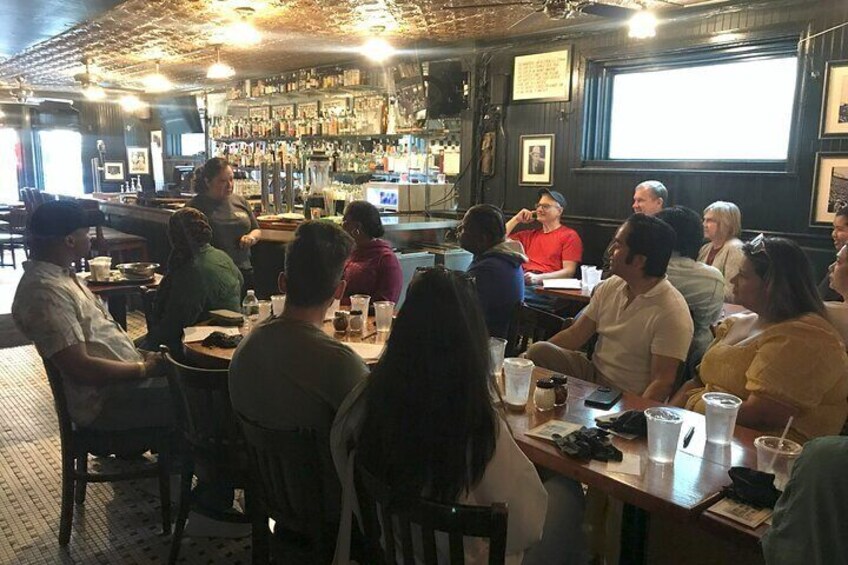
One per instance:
(780, 443)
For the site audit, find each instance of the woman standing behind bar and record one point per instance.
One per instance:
(722, 227)
(783, 359)
(424, 424)
(373, 268)
(234, 227)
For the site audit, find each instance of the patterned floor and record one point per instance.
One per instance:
(118, 524)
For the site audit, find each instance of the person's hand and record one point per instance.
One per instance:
(524, 216)
(247, 241)
(154, 364)
(532, 278)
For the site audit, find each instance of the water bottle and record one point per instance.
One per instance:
(250, 309)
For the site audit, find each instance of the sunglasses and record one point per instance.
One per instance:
(758, 245)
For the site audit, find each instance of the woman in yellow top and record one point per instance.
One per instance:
(783, 359)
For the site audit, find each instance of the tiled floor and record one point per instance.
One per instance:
(119, 523)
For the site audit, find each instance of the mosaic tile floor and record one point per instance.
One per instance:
(119, 523)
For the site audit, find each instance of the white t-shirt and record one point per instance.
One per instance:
(654, 323)
(702, 287)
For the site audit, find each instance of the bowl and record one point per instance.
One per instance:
(138, 270)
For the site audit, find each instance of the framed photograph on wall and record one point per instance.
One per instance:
(138, 162)
(830, 191)
(113, 170)
(835, 103)
(536, 160)
(542, 77)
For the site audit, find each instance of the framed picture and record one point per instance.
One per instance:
(542, 77)
(830, 191)
(537, 160)
(113, 170)
(138, 162)
(835, 103)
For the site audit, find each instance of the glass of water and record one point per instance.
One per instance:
(721, 411)
(663, 432)
(383, 312)
(517, 375)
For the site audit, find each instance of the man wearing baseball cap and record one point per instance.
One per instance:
(109, 383)
(553, 250)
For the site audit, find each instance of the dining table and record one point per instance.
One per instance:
(579, 296)
(116, 294)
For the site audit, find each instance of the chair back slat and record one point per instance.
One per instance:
(456, 520)
(60, 401)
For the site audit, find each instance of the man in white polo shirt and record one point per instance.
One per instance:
(643, 323)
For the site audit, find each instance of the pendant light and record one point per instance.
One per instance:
(241, 33)
(219, 70)
(157, 82)
(376, 48)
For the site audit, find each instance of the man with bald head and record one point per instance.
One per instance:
(649, 197)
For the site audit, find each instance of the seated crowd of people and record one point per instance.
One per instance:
(422, 420)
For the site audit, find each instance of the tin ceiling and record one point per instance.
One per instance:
(123, 41)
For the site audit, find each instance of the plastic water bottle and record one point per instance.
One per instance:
(250, 309)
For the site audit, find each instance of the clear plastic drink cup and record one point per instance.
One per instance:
(278, 303)
(384, 310)
(663, 432)
(721, 411)
(777, 457)
(497, 348)
(517, 375)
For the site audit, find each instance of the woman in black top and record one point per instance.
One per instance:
(234, 227)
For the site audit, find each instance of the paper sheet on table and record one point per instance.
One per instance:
(199, 333)
(551, 427)
(331, 311)
(740, 512)
(562, 284)
(366, 350)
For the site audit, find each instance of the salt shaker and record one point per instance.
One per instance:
(356, 321)
(544, 398)
(560, 389)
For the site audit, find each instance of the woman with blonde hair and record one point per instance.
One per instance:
(722, 227)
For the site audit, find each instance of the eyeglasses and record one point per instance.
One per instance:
(545, 206)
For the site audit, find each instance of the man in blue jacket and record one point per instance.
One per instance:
(496, 266)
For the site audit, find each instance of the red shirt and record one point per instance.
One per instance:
(373, 269)
(547, 251)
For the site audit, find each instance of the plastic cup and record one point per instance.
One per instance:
(265, 309)
(777, 457)
(594, 275)
(663, 432)
(278, 303)
(384, 310)
(721, 410)
(100, 267)
(360, 302)
(517, 375)
(584, 275)
(497, 348)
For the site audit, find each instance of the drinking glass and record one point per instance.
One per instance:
(265, 309)
(497, 347)
(278, 302)
(383, 312)
(584, 276)
(776, 456)
(594, 275)
(517, 375)
(663, 432)
(360, 302)
(99, 267)
(721, 410)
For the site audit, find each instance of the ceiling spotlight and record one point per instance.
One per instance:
(643, 25)
(130, 103)
(219, 70)
(93, 92)
(242, 33)
(377, 49)
(157, 82)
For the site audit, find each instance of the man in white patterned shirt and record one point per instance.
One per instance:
(109, 383)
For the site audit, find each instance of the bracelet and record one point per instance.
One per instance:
(142, 369)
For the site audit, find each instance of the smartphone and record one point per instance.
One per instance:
(603, 398)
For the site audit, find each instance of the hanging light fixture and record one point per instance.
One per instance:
(130, 103)
(377, 49)
(93, 92)
(643, 25)
(157, 82)
(241, 33)
(219, 70)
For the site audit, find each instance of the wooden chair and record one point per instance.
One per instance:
(78, 441)
(215, 448)
(382, 511)
(289, 473)
(530, 325)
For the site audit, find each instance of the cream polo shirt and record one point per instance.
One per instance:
(55, 310)
(654, 323)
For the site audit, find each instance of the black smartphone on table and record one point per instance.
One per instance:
(603, 398)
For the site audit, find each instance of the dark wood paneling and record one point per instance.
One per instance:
(600, 199)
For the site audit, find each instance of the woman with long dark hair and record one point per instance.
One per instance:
(424, 422)
(783, 358)
(234, 227)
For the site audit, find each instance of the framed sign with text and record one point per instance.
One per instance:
(542, 77)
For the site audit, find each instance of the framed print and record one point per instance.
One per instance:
(113, 170)
(830, 191)
(138, 162)
(835, 103)
(542, 77)
(537, 160)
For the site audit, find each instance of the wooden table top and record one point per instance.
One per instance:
(219, 358)
(682, 490)
(123, 288)
(582, 296)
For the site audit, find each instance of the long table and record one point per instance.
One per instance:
(680, 491)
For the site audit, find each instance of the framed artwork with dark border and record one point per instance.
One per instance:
(536, 160)
(834, 119)
(139, 164)
(830, 188)
(113, 170)
(542, 77)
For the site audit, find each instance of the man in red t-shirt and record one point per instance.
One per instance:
(553, 249)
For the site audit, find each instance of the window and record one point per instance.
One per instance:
(9, 165)
(731, 111)
(192, 143)
(61, 161)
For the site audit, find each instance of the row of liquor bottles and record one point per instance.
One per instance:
(325, 123)
(306, 80)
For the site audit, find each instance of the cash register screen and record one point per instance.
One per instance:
(389, 198)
